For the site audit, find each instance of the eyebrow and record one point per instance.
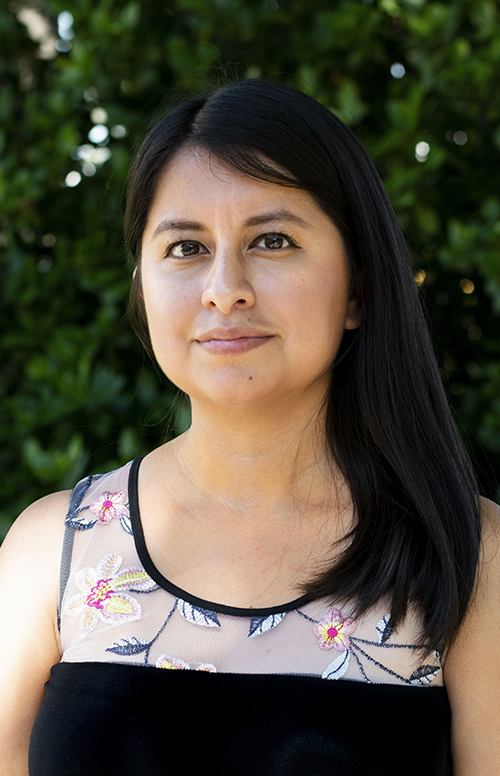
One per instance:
(168, 225)
(276, 215)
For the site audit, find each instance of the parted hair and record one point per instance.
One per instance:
(389, 428)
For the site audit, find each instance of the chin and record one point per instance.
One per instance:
(246, 391)
(234, 397)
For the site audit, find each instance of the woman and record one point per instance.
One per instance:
(293, 581)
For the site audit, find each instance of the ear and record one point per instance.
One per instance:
(353, 315)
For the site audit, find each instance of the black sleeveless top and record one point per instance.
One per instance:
(154, 681)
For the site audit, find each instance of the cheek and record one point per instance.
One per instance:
(167, 311)
(320, 305)
(164, 296)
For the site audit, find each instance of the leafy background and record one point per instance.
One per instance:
(417, 80)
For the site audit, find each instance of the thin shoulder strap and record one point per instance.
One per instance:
(76, 498)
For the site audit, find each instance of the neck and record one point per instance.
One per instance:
(243, 460)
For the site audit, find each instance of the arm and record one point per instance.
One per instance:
(472, 669)
(29, 639)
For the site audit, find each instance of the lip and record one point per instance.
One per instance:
(237, 339)
(232, 333)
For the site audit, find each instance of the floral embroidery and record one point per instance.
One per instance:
(135, 646)
(106, 593)
(333, 631)
(103, 595)
(109, 506)
(338, 667)
(260, 625)
(172, 662)
(197, 615)
(384, 629)
(164, 661)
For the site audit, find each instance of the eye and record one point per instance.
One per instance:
(274, 241)
(185, 250)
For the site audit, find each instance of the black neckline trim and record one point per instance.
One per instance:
(150, 568)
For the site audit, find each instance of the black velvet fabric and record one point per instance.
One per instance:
(102, 718)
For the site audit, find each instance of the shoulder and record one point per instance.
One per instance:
(41, 526)
(487, 593)
(38, 527)
(46, 510)
(29, 573)
(484, 609)
(30, 554)
(486, 601)
(472, 667)
(491, 529)
(490, 509)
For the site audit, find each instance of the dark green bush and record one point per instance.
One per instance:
(77, 394)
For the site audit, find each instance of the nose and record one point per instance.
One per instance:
(227, 285)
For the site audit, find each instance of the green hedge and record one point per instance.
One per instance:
(77, 395)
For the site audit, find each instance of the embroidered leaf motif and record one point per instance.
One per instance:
(260, 625)
(436, 656)
(338, 667)
(79, 523)
(424, 675)
(384, 629)
(125, 523)
(133, 647)
(197, 615)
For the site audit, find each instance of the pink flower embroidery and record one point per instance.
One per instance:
(333, 631)
(110, 505)
(164, 661)
(103, 595)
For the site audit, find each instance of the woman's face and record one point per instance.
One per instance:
(245, 284)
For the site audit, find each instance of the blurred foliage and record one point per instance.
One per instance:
(415, 79)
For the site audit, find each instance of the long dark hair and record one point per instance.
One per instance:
(389, 428)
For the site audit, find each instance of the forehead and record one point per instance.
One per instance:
(195, 180)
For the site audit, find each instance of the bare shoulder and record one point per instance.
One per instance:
(44, 514)
(490, 509)
(37, 533)
(484, 610)
(486, 602)
(32, 548)
(491, 527)
(29, 643)
(472, 668)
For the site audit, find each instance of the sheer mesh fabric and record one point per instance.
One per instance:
(116, 607)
